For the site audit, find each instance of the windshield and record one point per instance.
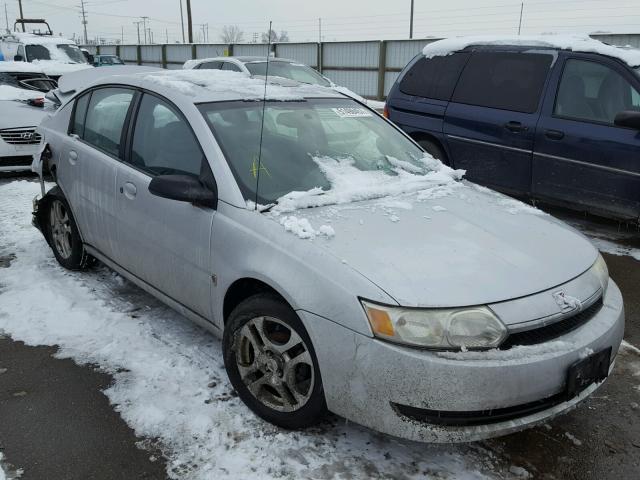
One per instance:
(64, 53)
(305, 143)
(111, 61)
(294, 71)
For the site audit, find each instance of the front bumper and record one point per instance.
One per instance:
(365, 379)
(17, 158)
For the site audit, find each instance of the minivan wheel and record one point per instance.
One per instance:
(63, 236)
(434, 150)
(271, 363)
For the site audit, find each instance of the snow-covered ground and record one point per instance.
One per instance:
(170, 381)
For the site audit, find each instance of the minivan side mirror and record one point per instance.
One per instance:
(628, 118)
(18, 58)
(183, 188)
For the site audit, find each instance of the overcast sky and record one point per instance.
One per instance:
(341, 19)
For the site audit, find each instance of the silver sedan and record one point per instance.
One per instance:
(345, 269)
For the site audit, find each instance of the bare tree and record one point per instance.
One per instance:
(231, 34)
(271, 33)
(284, 36)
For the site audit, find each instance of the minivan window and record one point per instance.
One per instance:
(504, 80)
(163, 143)
(593, 92)
(106, 115)
(434, 77)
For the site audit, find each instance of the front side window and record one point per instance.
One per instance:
(163, 143)
(232, 67)
(37, 52)
(593, 92)
(506, 81)
(293, 71)
(105, 118)
(434, 77)
(309, 144)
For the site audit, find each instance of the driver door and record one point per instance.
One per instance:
(580, 156)
(166, 243)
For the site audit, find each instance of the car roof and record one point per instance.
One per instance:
(204, 86)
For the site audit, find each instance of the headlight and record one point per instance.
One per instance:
(440, 329)
(602, 272)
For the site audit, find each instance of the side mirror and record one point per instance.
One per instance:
(628, 118)
(18, 58)
(183, 188)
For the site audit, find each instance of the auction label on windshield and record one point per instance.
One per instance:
(350, 112)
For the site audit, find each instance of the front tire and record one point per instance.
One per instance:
(271, 363)
(63, 235)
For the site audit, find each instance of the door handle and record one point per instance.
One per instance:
(73, 157)
(129, 190)
(515, 127)
(554, 134)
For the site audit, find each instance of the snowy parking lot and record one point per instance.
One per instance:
(169, 384)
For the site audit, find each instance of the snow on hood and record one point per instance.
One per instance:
(193, 82)
(17, 114)
(7, 92)
(449, 246)
(576, 43)
(21, 67)
(57, 68)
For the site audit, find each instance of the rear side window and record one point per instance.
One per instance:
(210, 66)
(231, 67)
(79, 115)
(434, 77)
(507, 81)
(105, 118)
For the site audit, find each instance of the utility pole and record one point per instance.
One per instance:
(144, 28)
(21, 15)
(138, 27)
(122, 34)
(189, 21)
(6, 15)
(182, 22)
(320, 30)
(520, 24)
(411, 21)
(166, 33)
(84, 21)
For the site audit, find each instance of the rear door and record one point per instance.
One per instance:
(581, 158)
(491, 119)
(164, 242)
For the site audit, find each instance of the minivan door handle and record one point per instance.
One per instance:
(554, 134)
(515, 127)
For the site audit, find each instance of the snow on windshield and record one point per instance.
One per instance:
(227, 83)
(575, 43)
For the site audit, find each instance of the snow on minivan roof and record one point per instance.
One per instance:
(575, 43)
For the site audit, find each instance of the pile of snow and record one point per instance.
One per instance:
(576, 43)
(242, 85)
(169, 377)
(303, 228)
(350, 184)
(2, 474)
(7, 92)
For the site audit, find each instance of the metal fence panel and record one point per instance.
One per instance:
(178, 53)
(399, 52)
(257, 49)
(151, 54)
(363, 83)
(621, 40)
(351, 54)
(300, 52)
(129, 53)
(90, 48)
(212, 50)
(108, 50)
(389, 80)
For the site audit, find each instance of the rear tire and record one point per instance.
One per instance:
(63, 235)
(271, 363)
(435, 150)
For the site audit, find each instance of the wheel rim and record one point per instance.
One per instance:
(275, 364)
(60, 228)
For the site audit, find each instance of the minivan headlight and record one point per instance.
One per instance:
(438, 328)
(601, 271)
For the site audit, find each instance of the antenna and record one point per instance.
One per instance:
(264, 104)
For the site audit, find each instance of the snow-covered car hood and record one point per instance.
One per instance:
(468, 248)
(17, 114)
(56, 68)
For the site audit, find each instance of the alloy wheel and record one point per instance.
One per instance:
(60, 229)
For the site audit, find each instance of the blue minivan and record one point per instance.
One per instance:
(544, 123)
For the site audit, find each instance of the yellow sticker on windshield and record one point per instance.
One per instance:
(254, 168)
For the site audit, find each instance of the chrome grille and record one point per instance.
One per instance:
(21, 136)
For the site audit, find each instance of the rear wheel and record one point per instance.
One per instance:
(63, 236)
(271, 363)
(434, 149)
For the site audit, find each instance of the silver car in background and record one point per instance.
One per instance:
(344, 268)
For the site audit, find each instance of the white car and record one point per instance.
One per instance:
(55, 55)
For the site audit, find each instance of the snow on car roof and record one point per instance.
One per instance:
(216, 85)
(31, 39)
(575, 43)
(242, 59)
